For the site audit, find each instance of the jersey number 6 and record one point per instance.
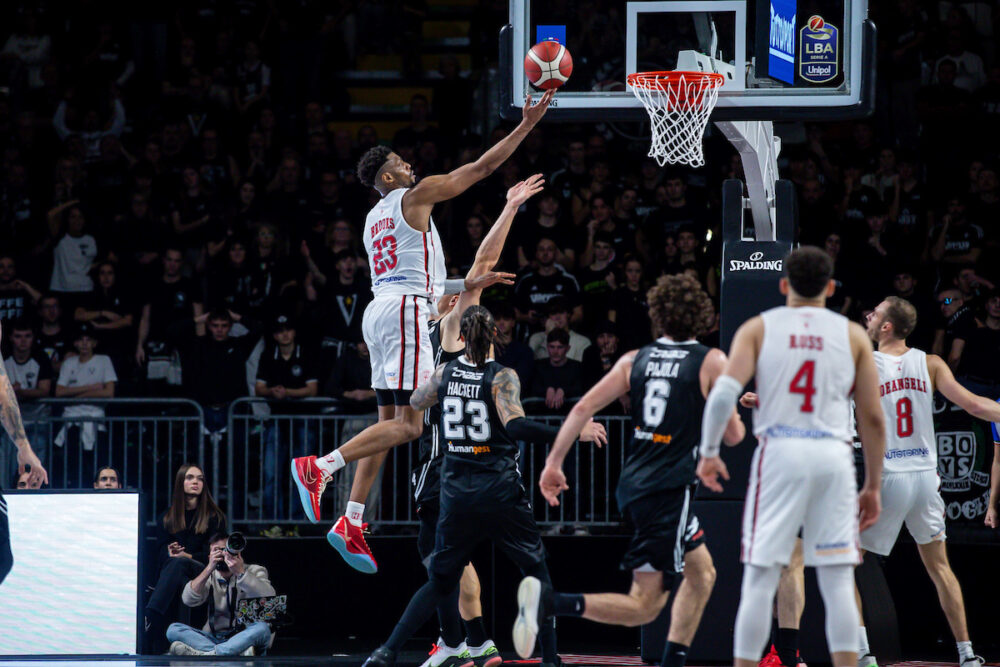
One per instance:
(388, 246)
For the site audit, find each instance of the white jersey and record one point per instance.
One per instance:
(403, 261)
(907, 397)
(805, 375)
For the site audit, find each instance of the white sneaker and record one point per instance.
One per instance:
(443, 655)
(180, 648)
(529, 599)
(974, 661)
(249, 651)
(867, 660)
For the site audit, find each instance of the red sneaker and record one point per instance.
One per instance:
(311, 482)
(349, 541)
(771, 659)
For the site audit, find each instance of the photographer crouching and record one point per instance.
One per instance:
(225, 581)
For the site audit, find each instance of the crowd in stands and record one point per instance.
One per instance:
(178, 201)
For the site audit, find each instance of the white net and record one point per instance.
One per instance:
(679, 104)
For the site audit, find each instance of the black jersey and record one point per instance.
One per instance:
(427, 475)
(667, 405)
(480, 457)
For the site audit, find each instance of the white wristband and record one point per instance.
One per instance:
(454, 285)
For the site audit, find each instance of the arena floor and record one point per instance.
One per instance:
(407, 659)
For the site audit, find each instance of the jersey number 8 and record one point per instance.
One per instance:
(453, 412)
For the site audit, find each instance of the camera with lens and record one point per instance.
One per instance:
(235, 544)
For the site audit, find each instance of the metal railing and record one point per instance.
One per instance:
(245, 454)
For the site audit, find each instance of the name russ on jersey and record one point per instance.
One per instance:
(901, 384)
(804, 342)
(382, 225)
(463, 390)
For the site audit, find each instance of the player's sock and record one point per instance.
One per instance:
(331, 463)
(964, 651)
(863, 648)
(565, 604)
(786, 643)
(475, 631)
(675, 655)
(355, 513)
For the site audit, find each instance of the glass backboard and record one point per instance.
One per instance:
(783, 59)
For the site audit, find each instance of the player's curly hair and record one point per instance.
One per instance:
(370, 163)
(679, 307)
(479, 331)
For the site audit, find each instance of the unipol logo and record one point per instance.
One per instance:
(755, 262)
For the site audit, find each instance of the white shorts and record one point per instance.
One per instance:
(912, 498)
(395, 329)
(802, 484)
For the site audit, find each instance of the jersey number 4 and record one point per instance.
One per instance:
(802, 383)
(387, 245)
(454, 409)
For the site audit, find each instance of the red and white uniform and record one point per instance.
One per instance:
(407, 274)
(802, 475)
(910, 481)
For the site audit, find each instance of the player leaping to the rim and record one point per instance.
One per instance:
(408, 277)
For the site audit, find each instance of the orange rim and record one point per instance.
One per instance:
(657, 79)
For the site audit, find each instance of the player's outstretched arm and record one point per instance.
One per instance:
(488, 255)
(434, 189)
(943, 380)
(871, 425)
(426, 394)
(722, 399)
(711, 368)
(10, 415)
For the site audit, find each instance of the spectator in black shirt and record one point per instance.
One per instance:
(602, 355)
(339, 298)
(956, 240)
(629, 309)
(957, 324)
(979, 370)
(53, 339)
(905, 286)
(286, 372)
(17, 298)
(598, 280)
(574, 175)
(558, 379)
(512, 352)
(31, 377)
(182, 543)
(142, 235)
(351, 380)
(230, 284)
(171, 301)
(193, 218)
(111, 312)
(547, 281)
(551, 224)
(419, 130)
(973, 287)
(675, 211)
(270, 273)
(622, 235)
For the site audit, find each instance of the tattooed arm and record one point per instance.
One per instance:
(10, 416)
(426, 394)
(507, 399)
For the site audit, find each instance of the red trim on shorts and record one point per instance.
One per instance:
(756, 499)
(416, 341)
(402, 341)
(427, 272)
(697, 535)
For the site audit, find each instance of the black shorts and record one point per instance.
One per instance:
(462, 526)
(665, 530)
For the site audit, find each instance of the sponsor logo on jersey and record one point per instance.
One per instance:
(388, 279)
(468, 449)
(818, 45)
(907, 453)
(467, 375)
(657, 438)
(781, 431)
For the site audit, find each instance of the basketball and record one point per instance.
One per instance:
(816, 23)
(548, 65)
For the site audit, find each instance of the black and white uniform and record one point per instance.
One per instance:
(426, 477)
(482, 493)
(658, 481)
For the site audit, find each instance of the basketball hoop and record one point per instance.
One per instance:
(679, 104)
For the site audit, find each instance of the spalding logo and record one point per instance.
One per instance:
(755, 262)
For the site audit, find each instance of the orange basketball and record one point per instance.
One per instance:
(548, 65)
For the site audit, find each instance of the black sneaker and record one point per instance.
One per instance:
(381, 657)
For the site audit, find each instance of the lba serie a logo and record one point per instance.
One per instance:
(818, 46)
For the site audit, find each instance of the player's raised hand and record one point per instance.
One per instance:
(488, 279)
(749, 400)
(533, 114)
(869, 507)
(594, 432)
(710, 470)
(525, 190)
(552, 483)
